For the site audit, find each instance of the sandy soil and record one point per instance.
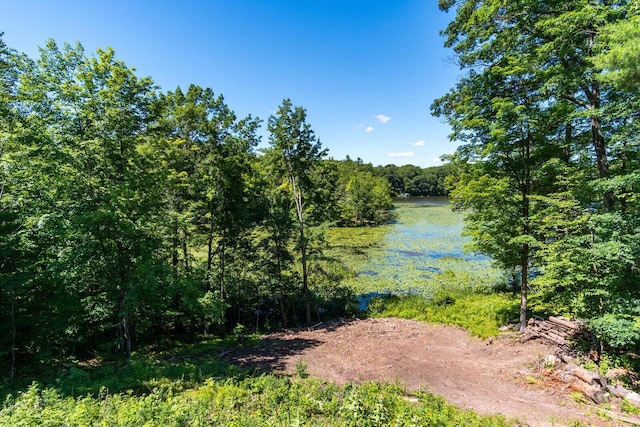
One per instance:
(496, 376)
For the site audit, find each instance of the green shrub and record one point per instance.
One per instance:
(262, 400)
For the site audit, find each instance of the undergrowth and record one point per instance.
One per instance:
(261, 400)
(192, 385)
(480, 314)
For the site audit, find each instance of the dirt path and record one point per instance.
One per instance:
(487, 377)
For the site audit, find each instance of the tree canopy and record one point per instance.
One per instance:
(545, 112)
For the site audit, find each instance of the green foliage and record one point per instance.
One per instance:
(415, 181)
(367, 199)
(263, 400)
(301, 369)
(481, 315)
(549, 153)
(620, 59)
(616, 331)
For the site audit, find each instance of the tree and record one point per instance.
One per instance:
(296, 153)
(500, 115)
(367, 199)
(14, 255)
(95, 113)
(621, 57)
(209, 153)
(534, 110)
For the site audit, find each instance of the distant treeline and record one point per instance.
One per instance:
(410, 180)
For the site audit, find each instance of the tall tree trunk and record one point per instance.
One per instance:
(125, 327)
(126, 335)
(185, 250)
(597, 137)
(306, 294)
(601, 158)
(524, 260)
(122, 304)
(222, 253)
(13, 334)
(209, 252)
(281, 301)
(524, 283)
(283, 309)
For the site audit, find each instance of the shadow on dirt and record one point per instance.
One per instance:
(270, 353)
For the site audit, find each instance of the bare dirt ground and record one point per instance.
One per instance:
(497, 376)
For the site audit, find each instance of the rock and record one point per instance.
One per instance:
(563, 376)
(565, 357)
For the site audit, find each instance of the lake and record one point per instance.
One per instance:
(422, 250)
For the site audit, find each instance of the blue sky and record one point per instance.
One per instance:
(365, 71)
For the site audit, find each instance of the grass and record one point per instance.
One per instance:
(481, 315)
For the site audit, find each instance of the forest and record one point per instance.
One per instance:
(132, 216)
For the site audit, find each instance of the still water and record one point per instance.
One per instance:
(421, 250)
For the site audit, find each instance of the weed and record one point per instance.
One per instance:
(532, 380)
(630, 408)
(261, 400)
(482, 315)
(579, 397)
(301, 369)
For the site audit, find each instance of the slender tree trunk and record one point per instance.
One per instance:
(524, 283)
(283, 309)
(601, 159)
(209, 252)
(222, 251)
(306, 294)
(13, 334)
(174, 251)
(281, 302)
(597, 137)
(305, 285)
(185, 251)
(125, 327)
(122, 304)
(126, 334)
(524, 261)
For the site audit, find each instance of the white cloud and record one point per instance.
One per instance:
(437, 161)
(418, 143)
(381, 118)
(358, 126)
(405, 154)
(369, 129)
